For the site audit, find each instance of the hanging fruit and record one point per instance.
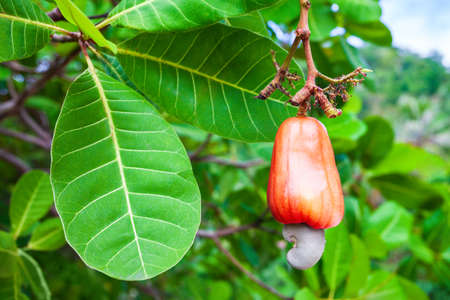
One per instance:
(304, 188)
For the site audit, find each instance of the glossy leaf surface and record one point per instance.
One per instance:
(30, 201)
(209, 78)
(24, 28)
(170, 15)
(123, 183)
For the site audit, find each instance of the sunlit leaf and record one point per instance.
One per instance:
(382, 285)
(375, 32)
(321, 22)
(392, 222)
(210, 78)
(30, 201)
(359, 268)
(361, 11)
(170, 15)
(123, 183)
(304, 294)
(253, 22)
(47, 236)
(24, 28)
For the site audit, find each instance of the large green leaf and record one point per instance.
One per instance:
(30, 201)
(47, 236)
(337, 256)
(286, 12)
(24, 29)
(361, 11)
(169, 15)
(32, 275)
(382, 285)
(8, 255)
(75, 16)
(209, 78)
(408, 190)
(393, 222)
(376, 142)
(359, 268)
(123, 183)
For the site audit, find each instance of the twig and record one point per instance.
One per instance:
(150, 290)
(252, 277)
(202, 147)
(29, 121)
(18, 68)
(26, 138)
(19, 164)
(56, 15)
(226, 162)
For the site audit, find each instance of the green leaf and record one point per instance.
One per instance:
(393, 223)
(164, 15)
(405, 158)
(382, 285)
(374, 244)
(375, 32)
(210, 78)
(8, 255)
(286, 12)
(32, 274)
(24, 28)
(359, 267)
(420, 249)
(30, 201)
(360, 11)
(344, 131)
(10, 288)
(321, 22)
(123, 183)
(253, 22)
(75, 16)
(47, 236)
(411, 290)
(113, 68)
(337, 256)
(49, 106)
(312, 278)
(304, 294)
(408, 190)
(352, 214)
(376, 143)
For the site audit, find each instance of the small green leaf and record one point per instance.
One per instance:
(420, 249)
(305, 294)
(321, 22)
(393, 223)
(32, 274)
(253, 22)
(411, 290)
(24, 28)
(382, 285)
(47, 236)
(375, 246)
(8, 255)
(359, 267)
(337, 255)
(375, 32)
(30, 201)
(376, 143)
(75, 16)
(360, 11)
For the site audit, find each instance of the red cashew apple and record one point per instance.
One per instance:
(304, 188)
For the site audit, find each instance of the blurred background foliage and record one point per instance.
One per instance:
(392, 147)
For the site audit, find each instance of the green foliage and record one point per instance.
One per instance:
(127, 193)
(108, 142)
(25, 29)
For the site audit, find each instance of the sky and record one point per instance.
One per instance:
(422, 26)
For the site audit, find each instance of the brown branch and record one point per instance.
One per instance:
(18, 68)
(249, 274)
(19, 164)
(56, 15)
(226, 162)
(150, 290)
(25, 137)
(33, 125)
(202, 147)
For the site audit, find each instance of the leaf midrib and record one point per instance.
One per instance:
(190, 70)
(33, 22)
(42, 239)
(117, 152)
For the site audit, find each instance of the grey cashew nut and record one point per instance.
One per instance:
(309, 244)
